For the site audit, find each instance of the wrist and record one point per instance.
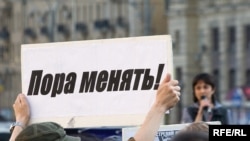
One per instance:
(160, 108)
(16, 124)
(200, 111)
(24, 121)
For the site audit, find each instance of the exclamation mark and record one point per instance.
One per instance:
(158, 78)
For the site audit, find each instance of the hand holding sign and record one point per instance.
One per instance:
(167, 96)
(168, 93)
(22, 114)
(21, 109)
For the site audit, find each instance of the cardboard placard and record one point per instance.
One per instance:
(110, 82)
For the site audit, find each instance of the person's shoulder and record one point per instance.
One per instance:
(192, 109)
(188, 107)
(220, 109)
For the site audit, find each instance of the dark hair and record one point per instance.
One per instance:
(191, 136)
(208, 79)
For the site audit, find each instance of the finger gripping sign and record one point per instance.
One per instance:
(110, 82)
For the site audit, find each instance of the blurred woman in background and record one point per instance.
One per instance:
(205, 107)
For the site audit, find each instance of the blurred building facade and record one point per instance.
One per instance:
(42, 21)
(211, 36)
(208, 36)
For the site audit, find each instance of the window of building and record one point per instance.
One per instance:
(247, 37)
(211, 3)
(231, 40)
(1, 83)
(120, 8)
(178, 74)
(65, 14)
(167, 4)
(248, 77)
(90, 13)
(215, 38)
(216, 74)
(179, 77)
(176, 42)
(232, 78)
(8, 80)
(5, 81)
(105, 13)
(3, 52)
(98, 11)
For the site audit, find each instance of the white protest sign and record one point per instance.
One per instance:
(165, 132)
(110, 82)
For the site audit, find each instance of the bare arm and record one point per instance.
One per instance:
(199, 115)
(22, 114)
(167, 96)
